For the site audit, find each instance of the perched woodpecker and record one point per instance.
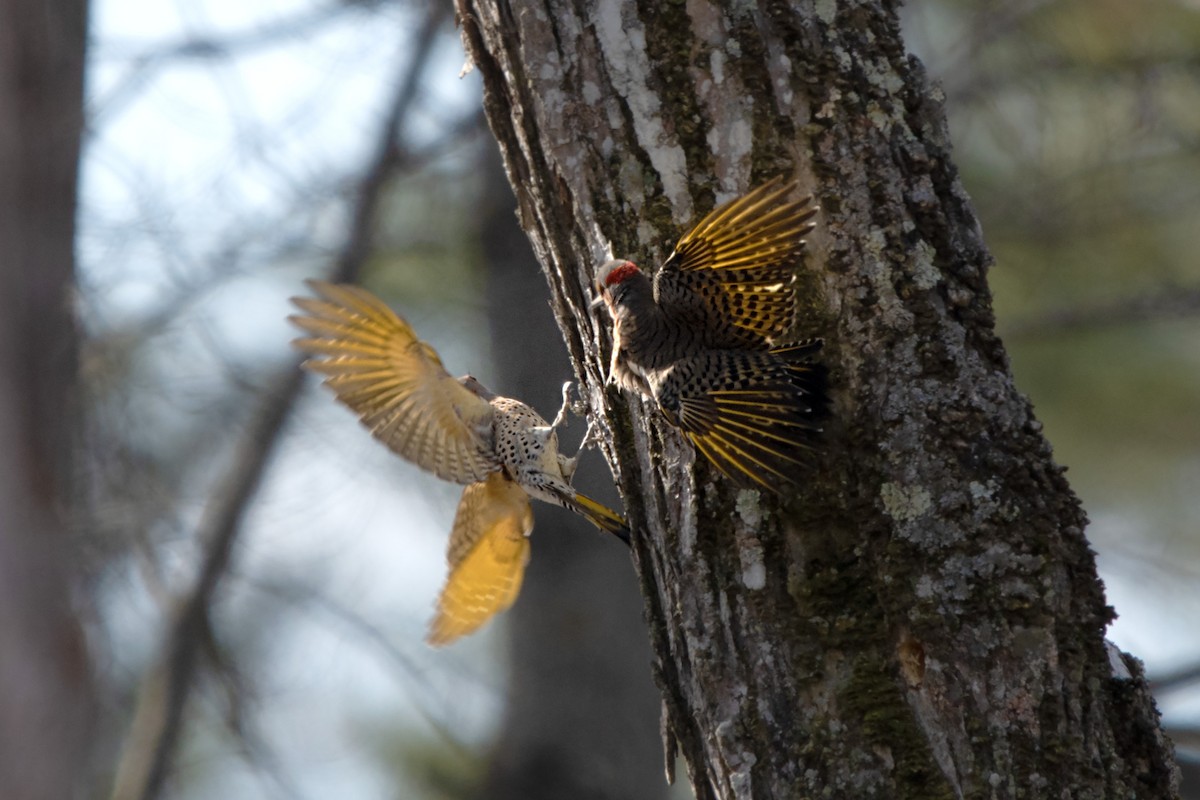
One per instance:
(707, 337)
(502, 449)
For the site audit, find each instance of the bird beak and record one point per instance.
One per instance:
(597, 301)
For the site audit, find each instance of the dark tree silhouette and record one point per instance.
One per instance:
(46, 704)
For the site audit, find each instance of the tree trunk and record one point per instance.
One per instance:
(45, 702)
(922, 618)
(581, 715)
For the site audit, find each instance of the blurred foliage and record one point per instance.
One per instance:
(434, 768)
(1077, 131)
(427, 231)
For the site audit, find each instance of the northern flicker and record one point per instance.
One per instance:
(707, 337)
(502, 449)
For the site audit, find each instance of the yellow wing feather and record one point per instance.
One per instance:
(760, 419)
(741, 258)
(395, 383)
(760, 229)
(757, 446)
(489, 548)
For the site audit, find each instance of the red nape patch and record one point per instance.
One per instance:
(620, 273)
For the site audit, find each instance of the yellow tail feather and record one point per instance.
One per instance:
(603, 517)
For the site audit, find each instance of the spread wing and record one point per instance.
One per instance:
(489, 548)
(757, 415)
(395, 383)
(737, 264)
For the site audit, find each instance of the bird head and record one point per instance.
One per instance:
(472, 385)
(615, 281)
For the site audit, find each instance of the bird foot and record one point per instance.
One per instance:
(561, 417)
(568, 465)
(591, 437)
(575, 406)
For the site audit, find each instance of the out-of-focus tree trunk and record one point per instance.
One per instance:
(922, 618)
(582, 714)
(45, 702)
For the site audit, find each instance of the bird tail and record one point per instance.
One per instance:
(488, 551)
(759, 418)
(599, 515)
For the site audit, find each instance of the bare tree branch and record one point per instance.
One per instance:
(159, 720)
(144, 65)
(1182, 678)
(252, 746)
(406, 665)
(1168, 303)
(229, 260)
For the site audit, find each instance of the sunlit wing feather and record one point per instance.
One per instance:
(489, 548)
(758, 431)
(760, 229)
(761, 306)
(395, 383)
(740, 259)
(752, 441)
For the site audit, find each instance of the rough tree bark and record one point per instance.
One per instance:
(581, 715)
(922, 618)
(45, 684)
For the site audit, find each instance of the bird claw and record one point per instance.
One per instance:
(568, 465)
(579, 408)
(591, 437)
(576, 406)
(561, 417)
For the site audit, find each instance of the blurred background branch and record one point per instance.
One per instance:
(1157, 306)
(157, 725)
